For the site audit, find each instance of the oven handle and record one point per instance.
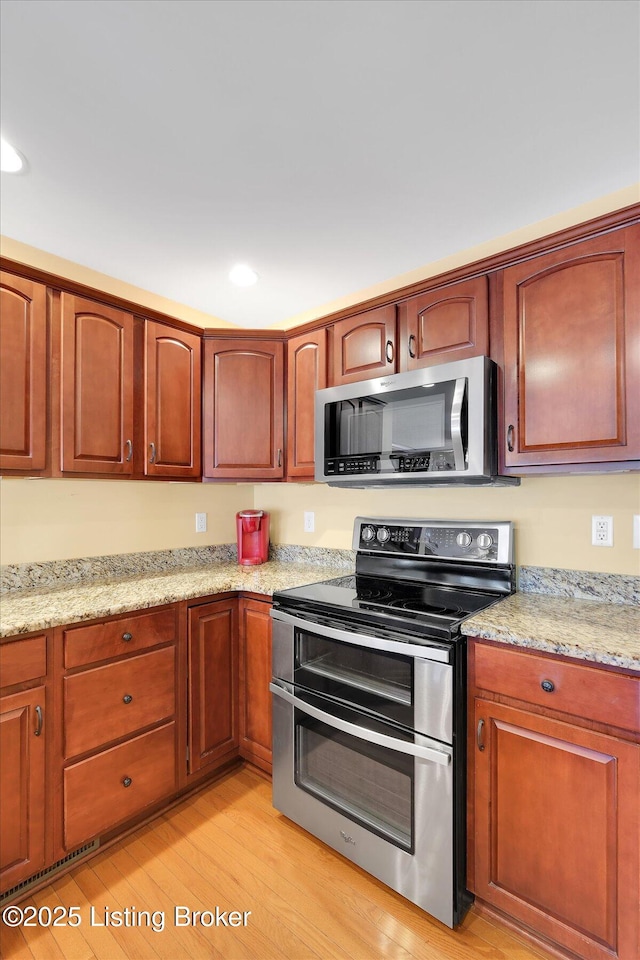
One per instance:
(423, 652)
(441, 755)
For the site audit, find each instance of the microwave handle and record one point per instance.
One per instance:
(439, 754)
(456, 423)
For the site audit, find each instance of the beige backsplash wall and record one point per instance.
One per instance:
(61, 519)
(552, 515)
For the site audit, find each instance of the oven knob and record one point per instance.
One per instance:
(463, 539)
(368, 533)
(485, 540)
(383, 534)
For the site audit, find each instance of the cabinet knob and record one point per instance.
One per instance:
(127, 698)
(126, 782)
(548, 686)
(127, 636)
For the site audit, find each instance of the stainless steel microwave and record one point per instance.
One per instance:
(427, 427)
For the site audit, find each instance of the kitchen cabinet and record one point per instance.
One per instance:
(364, 346)
(306, 373)
(23, 374)
(212, 684)
(572, 354)
(23, 743)
(243, 402)
(96, 382)
(555, 798)
(444, 324)
(118, 738)
(255, 677)
(172, 415)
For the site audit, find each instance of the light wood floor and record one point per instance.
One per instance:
(227, 847)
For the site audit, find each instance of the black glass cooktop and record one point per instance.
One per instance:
(433, 608)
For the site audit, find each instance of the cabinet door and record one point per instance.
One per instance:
(172, 410)
(23, 374)
(364, 346)
(255, 676)
(450, 323)
(572, 353)
(306, 373)
(22, 797)
(243, 409)
(213, 684)
(97, 388)
(557, 824)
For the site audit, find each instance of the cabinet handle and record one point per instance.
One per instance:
(126, 781)
(127, 698)
(411, 346)
(152, 448)
(127, 636)
(279, 459)
(548, 686)
(389, 351)
(129, 446)
(479, 740)
(510, 433)
(38, 729)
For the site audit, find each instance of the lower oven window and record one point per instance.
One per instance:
(369, 784)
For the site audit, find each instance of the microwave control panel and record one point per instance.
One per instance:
(340, 466)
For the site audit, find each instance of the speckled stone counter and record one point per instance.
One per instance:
(607, 633)
(24, 611)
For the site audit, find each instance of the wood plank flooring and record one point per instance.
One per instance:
(227, 848)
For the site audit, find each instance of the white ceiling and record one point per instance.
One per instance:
(331, 144)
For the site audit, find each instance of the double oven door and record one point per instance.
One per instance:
(365, 757)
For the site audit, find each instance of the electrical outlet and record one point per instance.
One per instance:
(636, 531)
(309, 521)
(201, 523)
(602, 531)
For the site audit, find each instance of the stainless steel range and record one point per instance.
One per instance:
(369, 676)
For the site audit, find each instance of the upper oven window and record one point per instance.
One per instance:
(380, 682)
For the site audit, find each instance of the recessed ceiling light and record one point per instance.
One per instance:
(242, 275)
(10, 159)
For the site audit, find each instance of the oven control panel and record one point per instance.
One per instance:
(444, 539)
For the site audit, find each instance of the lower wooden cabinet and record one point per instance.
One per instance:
(555, 802)
(22, 786)
(255, 676)
(212, 684)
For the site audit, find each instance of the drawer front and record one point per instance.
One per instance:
(115, 700)
(117, 784)
(584, 692)
(115, 638)
(23, 660)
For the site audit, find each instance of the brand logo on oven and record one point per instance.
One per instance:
(347, 838)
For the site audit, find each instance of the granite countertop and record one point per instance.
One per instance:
(590, 630)
(25, 611)
(587, 628)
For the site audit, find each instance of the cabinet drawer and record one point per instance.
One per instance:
(585, 692)
(96, 796)
(103, 641)
(109, 702)
(23, 660)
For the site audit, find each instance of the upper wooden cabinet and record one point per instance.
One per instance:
(449, 323)
(572, 354)
(172, 402)
(364, 346)
(306, 373)
(23, 374)
(243, 409)
(96, 381)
